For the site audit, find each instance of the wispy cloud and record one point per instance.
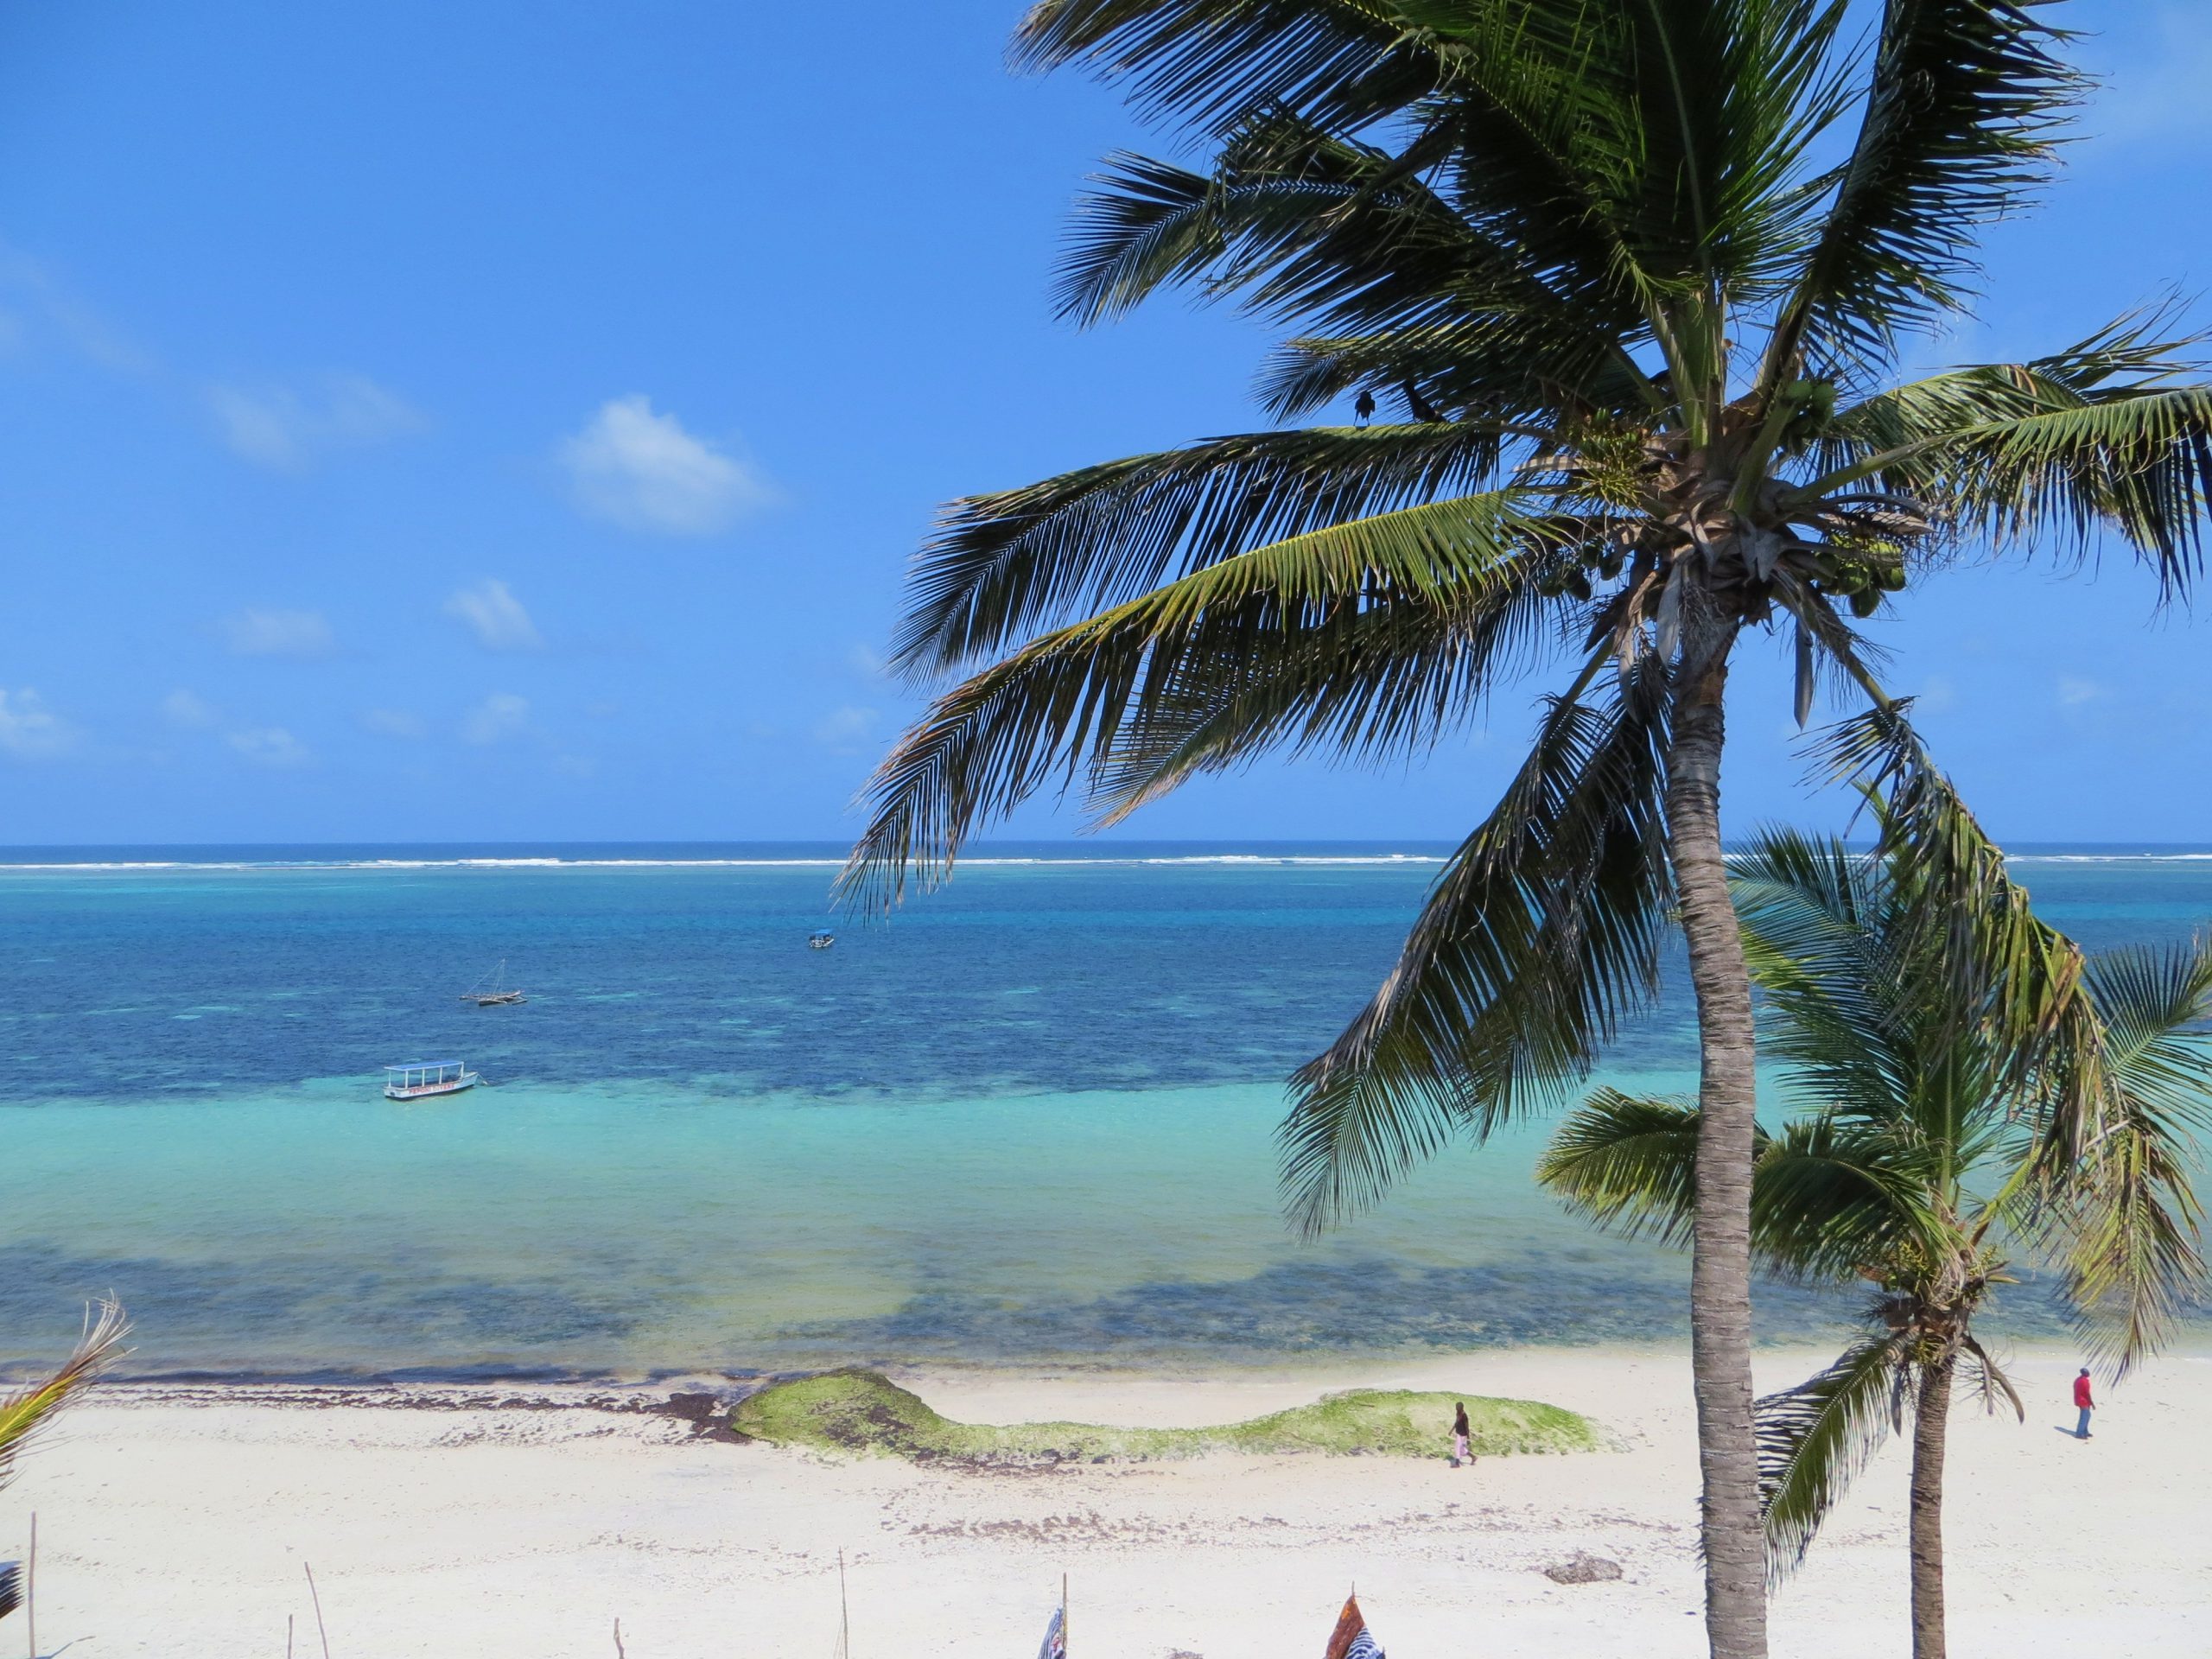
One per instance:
(303, 635)
(846, 731)
(287, 428)
(60, 313)
(644, 472)
(271, 745)
(502, 715)
(28, 729)
(496, 617)
(2074, 692)
(392, 722)
(188, 709)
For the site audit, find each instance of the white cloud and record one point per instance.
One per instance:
(2073, 693)
(863, 661)
(496, 617)
(28, 729)
(501, 715)
(644, 472)
(282, 428)
(188, 709)
(270, 746)
(845, 731)
(254, 632)
(392, 722)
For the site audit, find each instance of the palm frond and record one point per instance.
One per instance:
(1814, 1440)
(1965, 909)
(1988, 1379)
(2144, 350)
(1833, 1199)
(2137, 465)
(1960, 109)
(1811, 911)
(2125, 1217)
(1348, 238)
(1063, 703)
(2154, 1002)
(1511, 368)
(1642, 149)
(1215, 63)
(29, 1409)
(1727, 98)
(2112, 435)
(1627, 1164)
(1541, 934)
(1004, 564)
(1312, 219)
(1384, 678)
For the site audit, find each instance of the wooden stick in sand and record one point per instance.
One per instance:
(314, 1596)
(619, 1654)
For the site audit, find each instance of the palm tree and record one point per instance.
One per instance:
(31, 1408)
(1916, 1166)
(1640, 334)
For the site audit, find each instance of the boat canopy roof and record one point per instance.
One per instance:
(426, 1066)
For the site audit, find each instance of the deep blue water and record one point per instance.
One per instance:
(1030, 1118)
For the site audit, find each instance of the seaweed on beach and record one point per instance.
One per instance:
(862, 1412)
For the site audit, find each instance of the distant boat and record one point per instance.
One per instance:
(427, 1077)
(494, 998)
(821, 940)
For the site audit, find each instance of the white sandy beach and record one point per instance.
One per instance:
(175, 1523)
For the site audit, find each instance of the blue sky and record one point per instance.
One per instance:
(511, 420)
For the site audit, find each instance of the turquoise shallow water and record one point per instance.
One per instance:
(1031, 1120)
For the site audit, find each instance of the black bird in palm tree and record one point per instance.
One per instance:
(1365, 407)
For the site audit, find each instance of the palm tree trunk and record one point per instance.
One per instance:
(1720, 1273)
(1931, 1422)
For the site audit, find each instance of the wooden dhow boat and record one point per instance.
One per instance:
(494, 998)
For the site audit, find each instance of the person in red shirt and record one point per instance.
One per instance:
(2083, 1403)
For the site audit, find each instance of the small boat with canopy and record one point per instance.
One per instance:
(426, 1078)
(821, 940)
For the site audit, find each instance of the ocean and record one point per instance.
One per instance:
(1030, 1120)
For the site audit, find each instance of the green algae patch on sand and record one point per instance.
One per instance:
(860, 1412)
(1409, 1423)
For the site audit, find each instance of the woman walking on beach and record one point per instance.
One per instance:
(1460, 1454)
